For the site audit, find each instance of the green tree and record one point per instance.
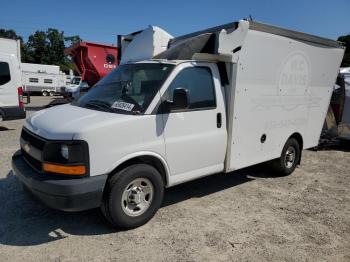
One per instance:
(71, 40)
(346, 40)
(37, 48)
(48, 48)
(55, 46)
(45, 47)
(11, 34)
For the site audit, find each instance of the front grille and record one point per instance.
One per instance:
(33, 139)
(32, 161)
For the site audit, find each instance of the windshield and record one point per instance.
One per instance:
(128, 89)
(75, 81)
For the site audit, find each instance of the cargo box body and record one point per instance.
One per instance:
(278, 84)
(281, 84)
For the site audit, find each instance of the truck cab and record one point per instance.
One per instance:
(161, 112)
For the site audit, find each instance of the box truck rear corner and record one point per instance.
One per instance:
(11, 90)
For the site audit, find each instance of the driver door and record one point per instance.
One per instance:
(195, 141)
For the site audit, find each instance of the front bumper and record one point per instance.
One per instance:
(65, 93)
(67, 194)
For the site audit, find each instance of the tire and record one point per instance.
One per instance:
(132, 196)
(45, 93)
(289, 159)
(52, 93)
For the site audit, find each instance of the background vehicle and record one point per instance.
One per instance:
(71, 88)
(337, 124)
(44, 79)
(11, 92)
(92, 60)
(216, 100)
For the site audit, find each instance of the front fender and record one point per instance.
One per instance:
(140, 154)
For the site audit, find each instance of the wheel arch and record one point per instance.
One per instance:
(297, 136)
(150, 158)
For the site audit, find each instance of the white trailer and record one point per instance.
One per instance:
(46, 79)
(11, 92)
(214, 101)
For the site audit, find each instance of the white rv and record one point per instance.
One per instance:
(45, 79)
(214, 101)
(11, 92)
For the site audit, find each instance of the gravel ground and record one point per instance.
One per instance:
(248, 215)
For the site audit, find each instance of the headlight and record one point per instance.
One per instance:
(66, 157)
(65, 151)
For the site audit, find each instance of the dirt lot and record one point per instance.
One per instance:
(248, 215)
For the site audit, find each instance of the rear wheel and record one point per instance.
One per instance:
(52, 93)
(45, 93)
(289, 159)
(133, 196)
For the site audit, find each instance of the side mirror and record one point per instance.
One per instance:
(180, 98)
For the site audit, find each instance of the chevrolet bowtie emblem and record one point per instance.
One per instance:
(26, 147)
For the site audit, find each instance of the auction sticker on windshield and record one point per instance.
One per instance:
(123, 106)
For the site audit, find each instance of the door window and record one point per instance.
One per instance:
(5, 75)
(199, 83)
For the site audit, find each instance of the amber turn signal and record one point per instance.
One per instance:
(67, 170)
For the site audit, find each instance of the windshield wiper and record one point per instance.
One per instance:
(100, 105)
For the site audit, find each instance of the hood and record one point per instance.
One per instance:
(66, 121)
(71, 87)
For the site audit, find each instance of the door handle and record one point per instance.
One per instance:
(218, 120)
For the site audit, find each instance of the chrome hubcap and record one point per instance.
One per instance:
(137, 196)
(290, 157)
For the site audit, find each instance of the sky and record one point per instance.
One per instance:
(102, 21)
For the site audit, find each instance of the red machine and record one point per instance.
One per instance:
(93, 61)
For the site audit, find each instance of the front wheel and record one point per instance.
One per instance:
(289, 159)
(133, 196)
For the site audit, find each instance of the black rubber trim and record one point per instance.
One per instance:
(67, 194)
(253, 25)
(238, 48)
(215, 29)
(293, 34)
(12, 113)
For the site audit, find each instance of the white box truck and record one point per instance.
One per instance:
(44, 79)
(214, 101)
(11, 92)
